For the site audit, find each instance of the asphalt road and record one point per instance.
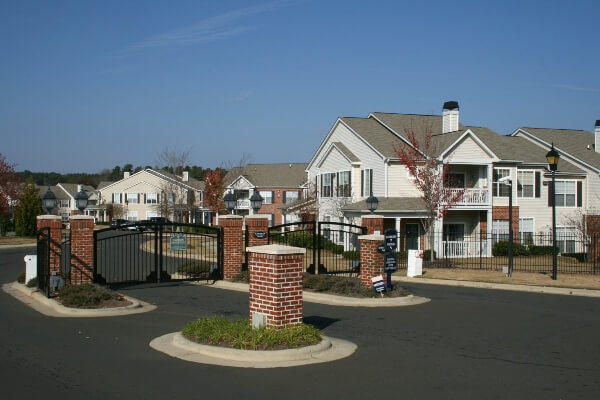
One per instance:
(465, 343)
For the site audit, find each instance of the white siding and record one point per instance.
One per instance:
(468, 150)
(399, 182)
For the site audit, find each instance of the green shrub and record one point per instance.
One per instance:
(501, 249)
(85, 296)
(540, 250)
(32, 282)
(345, 286)
(581, 257)
(195, 268)
(21, 277)
(238, 334)
(351, 255)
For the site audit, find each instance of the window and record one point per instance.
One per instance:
(566, 193)
(326, 185)
(151, 214)
(343, 185)
(366, 179)
(64, 203)
(454, 232)
(151, 198)
(565, 238)
(526, 230)
(132, 198)
(267, 196)
(499, 230)
(132, 215)
(290, 197)
(454, 180)
(500, 189)
(525, 183)
(116, 198)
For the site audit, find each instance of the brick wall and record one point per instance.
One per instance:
(233, 245)
(501, 212)
(257, 223)
(374, 223)
(53, 222)
(371, 261)
(82, 249)
(276, 284)
(278, 200)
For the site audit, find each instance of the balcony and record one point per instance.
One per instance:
(243, 204)
(473, 197)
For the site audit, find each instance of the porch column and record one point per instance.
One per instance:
(490, 179)
(438, 229)
(398, 230)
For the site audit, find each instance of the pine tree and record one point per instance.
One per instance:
(30, 206)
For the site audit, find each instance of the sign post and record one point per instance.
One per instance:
(390, 264)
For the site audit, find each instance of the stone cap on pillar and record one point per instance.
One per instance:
(378, 238)
(377, 216)
(230, 216)
(276, 249)
(81, 217)
(49, 217)
(263, 216)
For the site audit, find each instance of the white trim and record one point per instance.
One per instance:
(230, 186)
(567, 207)
(149, 184)
(473, 136)
(533, 196)
(328, 152)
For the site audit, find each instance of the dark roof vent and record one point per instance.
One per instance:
(597, 122)
(451, 105)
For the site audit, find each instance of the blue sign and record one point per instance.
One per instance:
(391, 239)
(378, 283)
(178, 242)
(381, 248)
(390, 262)
(260, 234)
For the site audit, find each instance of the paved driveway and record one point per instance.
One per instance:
(465, 343)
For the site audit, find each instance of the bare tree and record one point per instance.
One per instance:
(175, 201)
(115, 211)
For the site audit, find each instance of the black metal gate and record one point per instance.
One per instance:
(43, 260)
(333, 246)
(158, 252)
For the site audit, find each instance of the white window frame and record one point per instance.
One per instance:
(521, 231)
(150, 214)
(64, 203)
(134, 196)
(565, 194)
(366, 189)
(330, 185)
(149, 200)
(496, 185)
(287, 201)
(339, 174)
(116, 196)
(562, 239)
(130, 214)
(499, 235)
(520, 192)
(267, 196)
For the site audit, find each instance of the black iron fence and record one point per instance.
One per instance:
(531, 252)
(43, 260)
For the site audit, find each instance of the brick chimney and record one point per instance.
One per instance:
(450, 116)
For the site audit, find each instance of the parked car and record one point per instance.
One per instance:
(159, 220)
(117, 223)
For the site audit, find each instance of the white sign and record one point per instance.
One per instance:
(415, 263)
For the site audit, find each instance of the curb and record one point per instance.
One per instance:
(331, 299)
(16, 246)
(502, 286)
(176, 345)
(52, 308)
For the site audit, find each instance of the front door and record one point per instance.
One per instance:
(412, 236)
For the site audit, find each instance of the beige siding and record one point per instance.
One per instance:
(468, 150)
(399, 182)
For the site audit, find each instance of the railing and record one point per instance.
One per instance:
(473, 196)
(456, 248)
(243, 203)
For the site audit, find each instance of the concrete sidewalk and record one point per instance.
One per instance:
(502, 286)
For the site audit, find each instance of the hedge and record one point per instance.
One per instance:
(581, 257)
(501, 249)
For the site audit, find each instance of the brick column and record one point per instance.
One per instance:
(82, 249)
(257, 223)
(371, 261)
(374, 224)
(276, 284)
(233, 242)
(54, 222)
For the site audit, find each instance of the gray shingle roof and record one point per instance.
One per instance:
(271, 175)
(58, 192)
(71, 188)
(103, 184)
(390, 204)
(346, 152)
(196, 184)
(571, 141)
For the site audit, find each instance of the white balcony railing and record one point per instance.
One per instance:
(243, 203)
(459, 248)
(474, 196)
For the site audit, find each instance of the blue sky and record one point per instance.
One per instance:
(89, 85)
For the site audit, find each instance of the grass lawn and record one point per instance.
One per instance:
(12, 240)
(574, 281)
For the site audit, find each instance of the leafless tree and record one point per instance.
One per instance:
(175, 201)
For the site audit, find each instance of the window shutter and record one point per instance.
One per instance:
(550, 195)
(145, 200)
(112, 197)
(138, 197)
(371, 181)
(538, 182)
(579, 193)
(337, 182)
(284, 198)
(321, 177)
(362, 183)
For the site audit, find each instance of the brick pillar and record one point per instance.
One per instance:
(257, 223)
(233, 245)
(54, 222)
(82, 249)
(374, 224)
(276, 284)
(371, 261)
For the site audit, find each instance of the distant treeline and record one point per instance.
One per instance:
(52, 178)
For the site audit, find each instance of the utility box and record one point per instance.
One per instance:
(30, 267)
(415, 263)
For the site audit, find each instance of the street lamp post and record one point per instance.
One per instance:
(81, 200)
(507, 180)
(553, 157)
(256, 201)
(48, 200)
(230, 202)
